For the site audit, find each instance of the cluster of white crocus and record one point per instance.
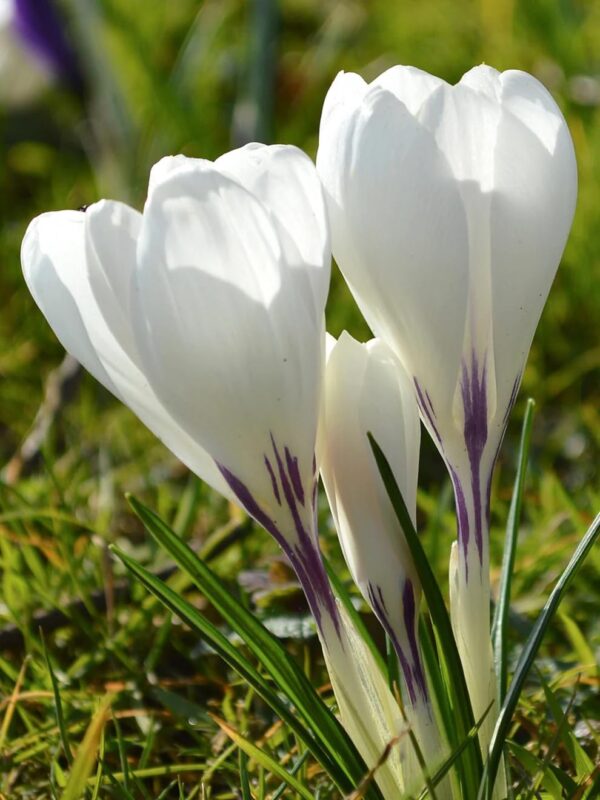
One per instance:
(449, 207)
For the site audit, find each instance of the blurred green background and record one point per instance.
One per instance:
(197, 78)
(172, 76)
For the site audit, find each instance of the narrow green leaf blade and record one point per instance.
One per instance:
(87, 753)
(264, 759)
(470, 760)
(500, 624)
(275, 659)
(528, 655)
(229, 653)
(60, 718)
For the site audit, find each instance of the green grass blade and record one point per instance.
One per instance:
(437, 684)
(325, 755)
(580, 761)
(123, 760)
(293, 771)
(540, 770)
(274, 658)
(244, 777)
(264, 759)
(470, 764)
(500, 624)
(87, 754)
(528, 655)
(60, 717)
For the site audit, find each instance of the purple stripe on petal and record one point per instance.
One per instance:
(244, 495)
(474, 396)
(303, 554)
(273, 480)
(40, 27)
(426, 407)
(288, 492)
(378, 606)
(462, 513)
(410, 615)
(294, 473)
(308, 565)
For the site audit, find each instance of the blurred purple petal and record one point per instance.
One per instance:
(42, 30)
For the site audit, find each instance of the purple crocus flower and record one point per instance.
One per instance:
(34, 51)
(40, 27)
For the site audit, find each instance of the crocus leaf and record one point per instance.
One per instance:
(440, 773)
(500, 624)
(471, 769)
(341, 759)
(229, 653)
(528, 656)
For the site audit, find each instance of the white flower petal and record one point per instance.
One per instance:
(400, 237)
(464, 122)
(228, 347)
(53, 259)
(168, 165)
(111, 233)
(284, 180)
(535, 190)
(63, 280)
(410, 85)
(367, 391)
(484, 79)
(343, 97)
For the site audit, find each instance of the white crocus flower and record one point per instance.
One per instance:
(368, 391)
(205, 315)
(449, 208)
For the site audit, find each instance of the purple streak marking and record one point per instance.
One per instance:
(40, 27)
(412, 667)
(427, 410)
(474, 397)
(294, 473)
(273, 480)
(378, 605)
(304, 555)
(244, 495)
(410, 616)
(462, 513)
